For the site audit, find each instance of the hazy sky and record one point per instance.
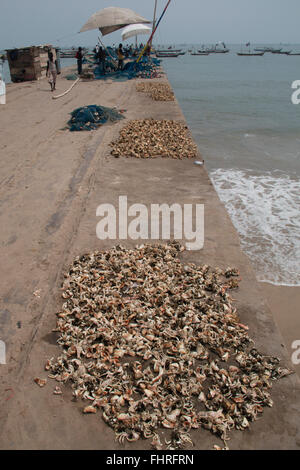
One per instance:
(29, 22)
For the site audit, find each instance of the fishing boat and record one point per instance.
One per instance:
(167, 54)
(71, 53)
(250, 54)
(199, 53)
(268, 49)
(282, 52)
(68, 53)
(169, 51)
(214, 50)
(217, 49)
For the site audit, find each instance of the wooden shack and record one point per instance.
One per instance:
(29, 63)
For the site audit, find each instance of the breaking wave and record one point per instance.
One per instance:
(265, 210)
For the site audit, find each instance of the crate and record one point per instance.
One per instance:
(29, 63)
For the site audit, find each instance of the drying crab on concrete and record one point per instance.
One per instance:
(159, 91)
(149, 138)
(153, 344)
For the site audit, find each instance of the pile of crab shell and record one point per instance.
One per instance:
(154, 345)
(158, 91)
(149, 138)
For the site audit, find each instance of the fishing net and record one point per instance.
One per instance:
(146, 68)
(91, 117)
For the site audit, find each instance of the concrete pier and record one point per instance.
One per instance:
(51, 183)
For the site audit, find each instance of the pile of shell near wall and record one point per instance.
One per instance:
(159, 91)
(154, 343)
(149, 138)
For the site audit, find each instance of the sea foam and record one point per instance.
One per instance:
(265, 210)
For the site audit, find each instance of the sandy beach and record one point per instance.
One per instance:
(284, 303)
(51, 183)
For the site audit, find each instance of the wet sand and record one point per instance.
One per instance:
(51, 183)
(284, 303)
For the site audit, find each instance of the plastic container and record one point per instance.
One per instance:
(2, 91)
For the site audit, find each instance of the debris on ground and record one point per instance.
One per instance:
(154, 343)
(40, 382)
(149, 138)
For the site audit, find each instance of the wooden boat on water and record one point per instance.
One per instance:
(250, 54)
(169, 51)
(71, 53)
(199, 53)
(282, 52)
(68, 54)
(166, 54)
(268, 49)
(217, 51)
(219, 48)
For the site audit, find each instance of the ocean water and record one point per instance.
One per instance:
(241, 115)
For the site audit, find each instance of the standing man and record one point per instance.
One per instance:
(51, 71)
(101, 59)
(120, 58)
(79, 57)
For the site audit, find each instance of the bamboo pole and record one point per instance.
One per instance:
(154, 19)
(153, 32)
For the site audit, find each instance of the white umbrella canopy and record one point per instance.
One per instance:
(135, 30)
(111, 19)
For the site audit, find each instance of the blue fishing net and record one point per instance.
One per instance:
(145, 68)
(91, 117)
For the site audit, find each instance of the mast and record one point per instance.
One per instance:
(153, 32)
(154, 19)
